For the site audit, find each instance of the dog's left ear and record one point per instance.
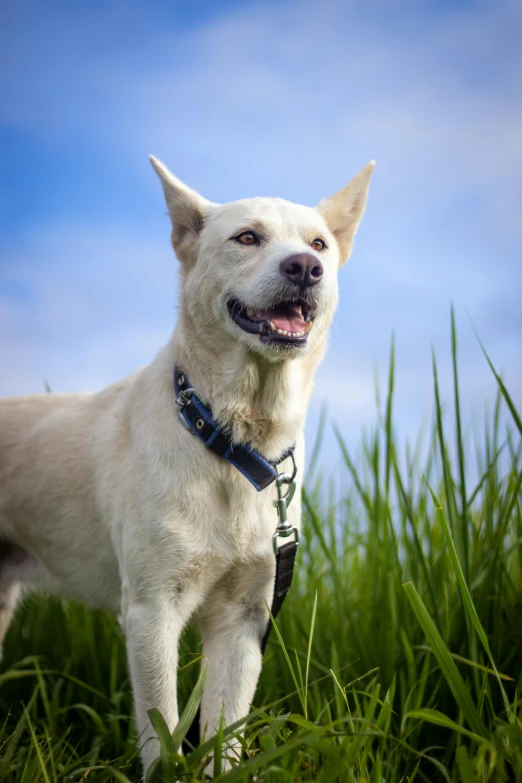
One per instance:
(187, 210)
(343, 211)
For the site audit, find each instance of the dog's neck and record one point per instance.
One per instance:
(263, 403)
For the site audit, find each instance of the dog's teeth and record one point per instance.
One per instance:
(249, 312)
(273, 326)
(285, 333)
(279, 331)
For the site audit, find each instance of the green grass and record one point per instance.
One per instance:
(399, 652)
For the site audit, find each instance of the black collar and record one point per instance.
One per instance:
(196, 415)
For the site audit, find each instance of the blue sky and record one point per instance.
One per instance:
(287, 98)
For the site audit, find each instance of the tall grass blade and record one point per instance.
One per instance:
(466, 597)
(438, 718)
(451, 673)
(460, 449)
(36, 746)
(190, 711)
(309, 653)
(166, 746)
(388, 420)
(504, 391)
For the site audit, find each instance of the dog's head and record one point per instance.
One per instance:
(262, 271)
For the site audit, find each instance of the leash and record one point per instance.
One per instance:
(195, 414)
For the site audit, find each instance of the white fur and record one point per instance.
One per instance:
(107, 499)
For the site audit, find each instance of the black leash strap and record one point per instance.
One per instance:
(285, 561)
(196, 416)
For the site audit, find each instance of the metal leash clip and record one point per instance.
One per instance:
(184, 399)
(284, 528)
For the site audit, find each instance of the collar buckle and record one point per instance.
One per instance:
(184, 399)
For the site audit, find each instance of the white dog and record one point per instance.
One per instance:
(106, 498)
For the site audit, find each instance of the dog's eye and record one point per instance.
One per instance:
(318, 244)
(247, 238)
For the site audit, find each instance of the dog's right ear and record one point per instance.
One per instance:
(343, 211)
(187, 210)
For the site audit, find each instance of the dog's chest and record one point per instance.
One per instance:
(213, 512)
(233, 520)
(202, 510)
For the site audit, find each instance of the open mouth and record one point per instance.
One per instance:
(288, 322)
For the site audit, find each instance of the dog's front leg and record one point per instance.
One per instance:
(153, 628)
(232, 627)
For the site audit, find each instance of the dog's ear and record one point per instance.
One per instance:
(343, 211)
(187, 210)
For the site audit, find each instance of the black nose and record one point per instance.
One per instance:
(302, 268)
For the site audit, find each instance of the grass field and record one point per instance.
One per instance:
(400, 648)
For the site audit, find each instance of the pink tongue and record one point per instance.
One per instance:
(287, 317)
